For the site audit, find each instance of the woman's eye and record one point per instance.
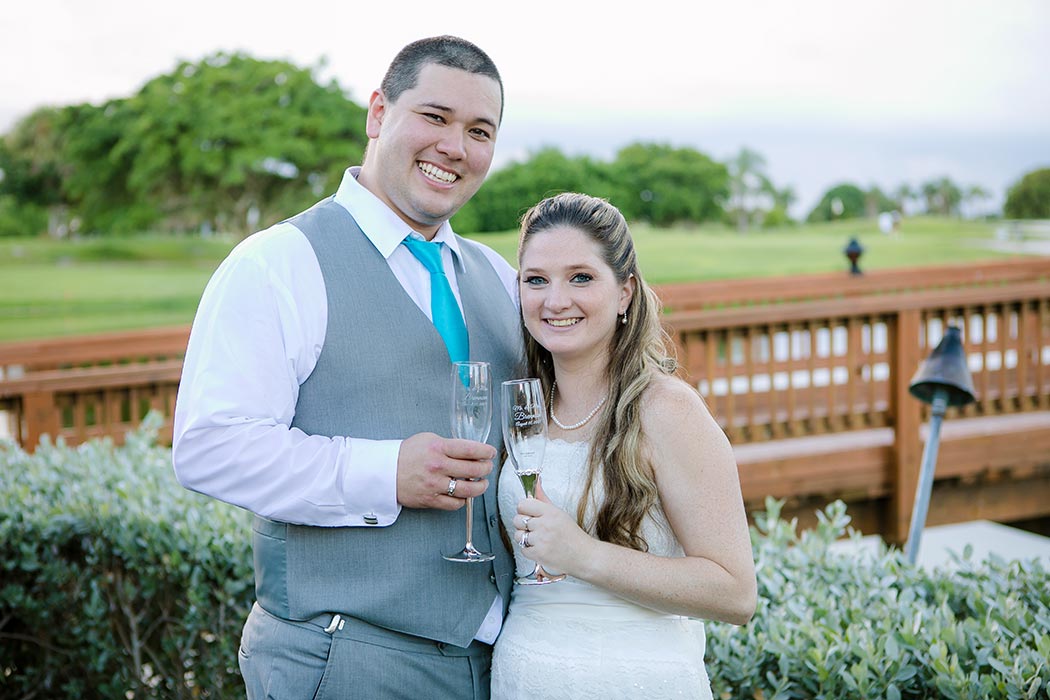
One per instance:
(534, 281)
(581, 277)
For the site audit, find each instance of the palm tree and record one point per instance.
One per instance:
(942, 196)
(973, 195)
(902, 196)
(747, 183)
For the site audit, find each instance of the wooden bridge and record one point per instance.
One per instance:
(807, 375)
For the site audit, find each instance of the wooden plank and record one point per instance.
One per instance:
(1042, 336)
(92, 378)
(861, 306)
(697, 295)
(794, 351)
(749, 375)
(52, 353)
(906, 417)
(1002, 317)
(981, 461)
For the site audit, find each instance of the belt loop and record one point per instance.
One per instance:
(336, 624)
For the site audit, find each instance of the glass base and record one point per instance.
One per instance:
(538, 577)
(469, 555)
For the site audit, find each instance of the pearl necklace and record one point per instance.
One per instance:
(574, 426)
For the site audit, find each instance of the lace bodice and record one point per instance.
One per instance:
(573, 640)
(564, 472)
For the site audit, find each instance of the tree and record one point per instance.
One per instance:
(844, 201)
(1029, 198)
(902, 196)
(31, 197)
(663, 185)
(972, 196)
(96, 178)
(876, 201)
(942, 196)
(230, 143)
(751, 191)
(511, 190)
(232, 135)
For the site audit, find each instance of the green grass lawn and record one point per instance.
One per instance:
(52, 288)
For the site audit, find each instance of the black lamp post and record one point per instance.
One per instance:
(853, 252)
(942, 380)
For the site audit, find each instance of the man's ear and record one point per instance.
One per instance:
(376, 112)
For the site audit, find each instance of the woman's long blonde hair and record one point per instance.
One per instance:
(639, 350)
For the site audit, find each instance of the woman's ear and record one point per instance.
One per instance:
(627, 293)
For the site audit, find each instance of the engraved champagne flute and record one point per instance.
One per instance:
(471, 420)
(525, 435)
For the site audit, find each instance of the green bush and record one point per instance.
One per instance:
(1029, 198)
(20, 219)
(118, 583)
(832, 624)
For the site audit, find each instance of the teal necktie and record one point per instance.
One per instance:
(443, 307)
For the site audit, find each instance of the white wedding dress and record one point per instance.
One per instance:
(573, 640)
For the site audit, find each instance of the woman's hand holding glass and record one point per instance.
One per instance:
(525, 435)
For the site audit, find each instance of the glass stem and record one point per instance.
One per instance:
(470, 523)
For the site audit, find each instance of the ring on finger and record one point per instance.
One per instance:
(525, 539)
(451, 486)
(525, 523)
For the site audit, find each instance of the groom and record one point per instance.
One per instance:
(315, 390)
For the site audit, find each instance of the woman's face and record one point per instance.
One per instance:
(570, 298)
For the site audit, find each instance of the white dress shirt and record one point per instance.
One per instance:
(257, 335)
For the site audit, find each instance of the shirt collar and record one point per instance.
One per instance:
(380, 224)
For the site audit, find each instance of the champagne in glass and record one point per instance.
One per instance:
(525, 435)
(471, 420)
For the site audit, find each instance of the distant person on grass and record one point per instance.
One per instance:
(315, 388)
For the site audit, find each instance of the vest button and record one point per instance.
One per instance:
(493, 521)
(492, 577)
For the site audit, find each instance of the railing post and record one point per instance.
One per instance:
(41, 417)
(906, 412)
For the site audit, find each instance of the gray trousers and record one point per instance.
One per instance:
(284, 659)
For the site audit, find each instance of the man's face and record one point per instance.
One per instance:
(429, 152)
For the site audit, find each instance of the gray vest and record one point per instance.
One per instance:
(384, 373)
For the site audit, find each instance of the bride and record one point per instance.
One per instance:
(640, 502)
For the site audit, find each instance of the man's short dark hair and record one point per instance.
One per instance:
(449, 51)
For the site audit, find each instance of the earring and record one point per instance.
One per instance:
(624, 319)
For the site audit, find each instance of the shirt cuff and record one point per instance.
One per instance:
(370, 482)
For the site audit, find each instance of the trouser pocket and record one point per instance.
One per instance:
(280, 659)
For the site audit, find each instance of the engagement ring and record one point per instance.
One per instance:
(525, 539)
(451, 486)
(525, 523)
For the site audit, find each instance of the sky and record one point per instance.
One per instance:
(827, 91)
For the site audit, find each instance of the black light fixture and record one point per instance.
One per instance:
(942, 380)
(853, 252)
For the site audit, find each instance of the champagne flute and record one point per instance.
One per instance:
(525, 435)
(471, 420)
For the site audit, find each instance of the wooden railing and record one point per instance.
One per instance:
(814, 396)
(90, 386)
(810, 368)
(812, 391)
(690, 296)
